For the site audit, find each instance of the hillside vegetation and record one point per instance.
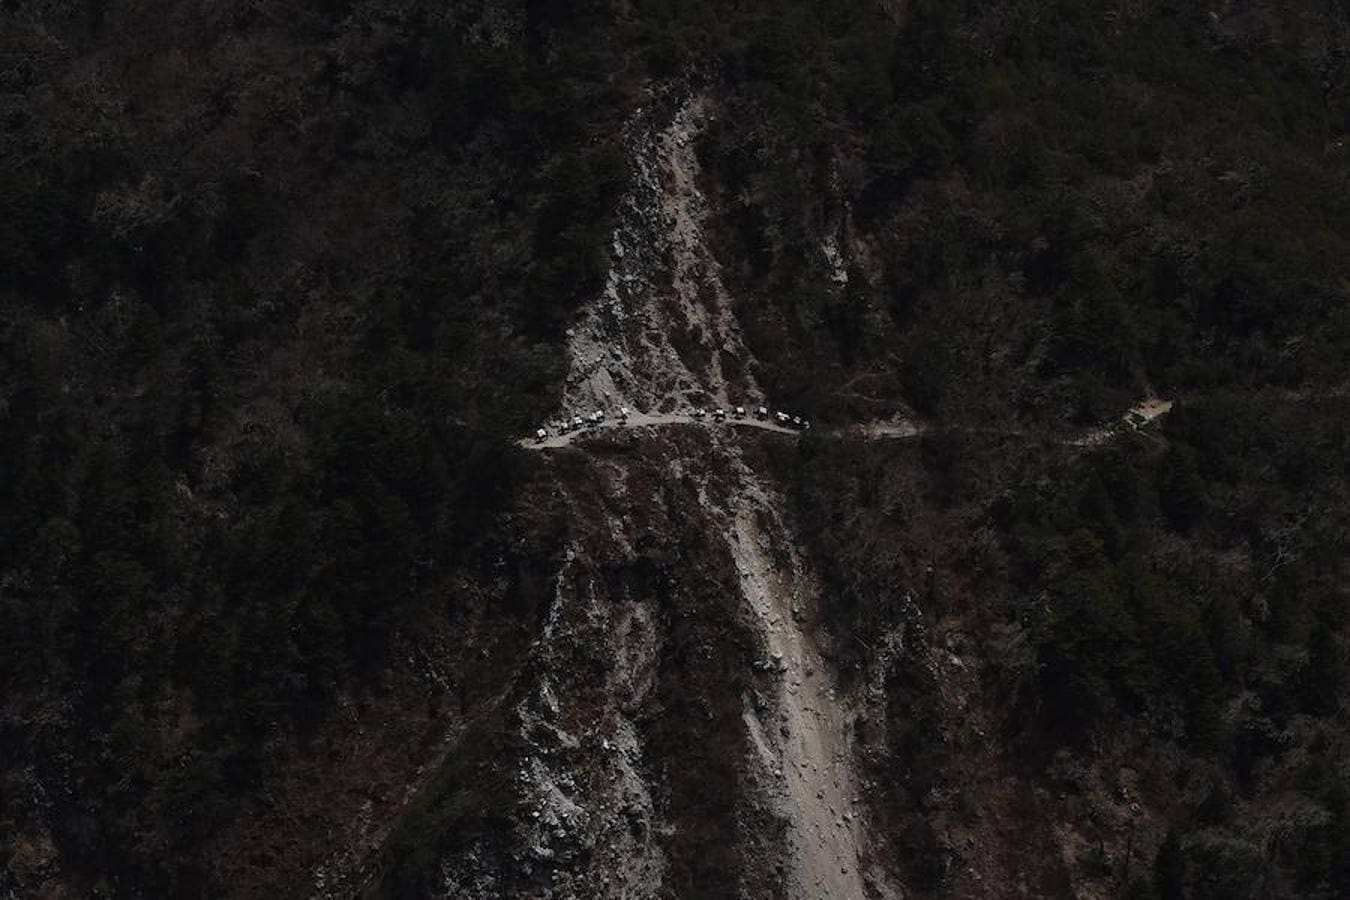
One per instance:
(282, 284)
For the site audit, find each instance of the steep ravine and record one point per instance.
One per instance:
(803, 740)
(662, 332)
(679, 700)
(662, 336)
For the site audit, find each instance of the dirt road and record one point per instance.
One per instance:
(656, 420)
(1139, 416)
(1142, 414)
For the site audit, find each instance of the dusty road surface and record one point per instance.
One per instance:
(891, 428)
(1138, 416)
(654, 420)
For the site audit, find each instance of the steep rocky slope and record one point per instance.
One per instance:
(663, 333)
(681, 595)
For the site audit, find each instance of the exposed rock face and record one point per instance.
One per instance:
(591, 824)
(679, 703)
(681, 729)
(663, 332)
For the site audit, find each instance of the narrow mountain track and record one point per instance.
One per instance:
(1139, 416)
(639, 421)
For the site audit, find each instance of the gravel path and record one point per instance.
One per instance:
(657, 420)
(1139, 416)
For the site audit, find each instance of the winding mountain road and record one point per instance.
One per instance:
(1138, 416)
(643, 420)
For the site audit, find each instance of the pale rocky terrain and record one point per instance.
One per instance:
(595, 818)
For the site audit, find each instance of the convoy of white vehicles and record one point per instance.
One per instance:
(594, 419)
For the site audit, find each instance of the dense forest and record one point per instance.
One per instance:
(280, 284)
(1188, 602)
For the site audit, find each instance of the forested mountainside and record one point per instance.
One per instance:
(293, 605)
